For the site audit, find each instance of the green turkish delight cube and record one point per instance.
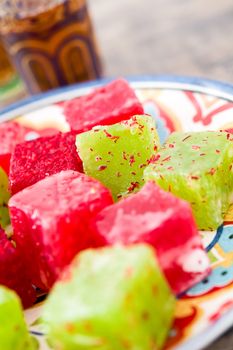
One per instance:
(112, 299)
(4, 197)
(197, 167)
(13, 331)
(116, 155)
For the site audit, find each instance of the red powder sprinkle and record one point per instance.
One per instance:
(98, 158)
(169, 188)
(230, 167)
(102, 167)
(91, 149)
(146, 316)
(228, 136)
(70, 327)
(153, 158)
(132, 186)
(194, 177)
(114, 138)
(166, 159)
(196, 147)
(124, 156)
(186, 138)
(141, 127)
(170, 168)
(155, 148)
(171, 145)
(88, 326)
(212, 171)
(131, 160)
(217, 151)
(202, 154)
(142, 166)
(133, 173)
(131, 122)
(161, 177)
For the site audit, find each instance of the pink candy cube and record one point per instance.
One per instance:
(157, 217)
(50, 220)
(106, 105)
(13, 271)
(34, 160)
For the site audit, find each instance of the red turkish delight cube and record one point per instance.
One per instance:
(13, 271)
(50, 221)
(36, 159)
(159, 218)
(11, 133)
(106, 105)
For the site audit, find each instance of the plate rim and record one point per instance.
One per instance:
(222, 90)
(208, 336)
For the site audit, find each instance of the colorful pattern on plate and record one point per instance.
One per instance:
(198, 309)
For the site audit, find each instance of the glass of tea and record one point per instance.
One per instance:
(11, 86)
(50, 42)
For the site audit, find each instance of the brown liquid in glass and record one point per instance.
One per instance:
(53, 48)
(6, 69)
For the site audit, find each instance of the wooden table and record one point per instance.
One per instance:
(185, 37)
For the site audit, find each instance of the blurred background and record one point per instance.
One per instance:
(165, 37)
(134, 37)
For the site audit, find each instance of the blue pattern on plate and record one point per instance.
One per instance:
(226, 239)
(219, 277)
(150, 108)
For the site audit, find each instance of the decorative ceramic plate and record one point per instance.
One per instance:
(205, 311)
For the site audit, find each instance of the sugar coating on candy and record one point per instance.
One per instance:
(4, 197)
(105, 105)
(117, 154)
(162, 220)
(34, 160)
(198, 168)
(13, 271)
(113, 298)
(50, 222)
(13, 331)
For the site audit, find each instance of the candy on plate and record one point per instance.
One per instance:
(14, 271)
(50, 221)
(11, 133)
(13, 331)
(197, 167)
(117, 154)
(36, 159)
(164, 221)
(113, 298)
(106, 105)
